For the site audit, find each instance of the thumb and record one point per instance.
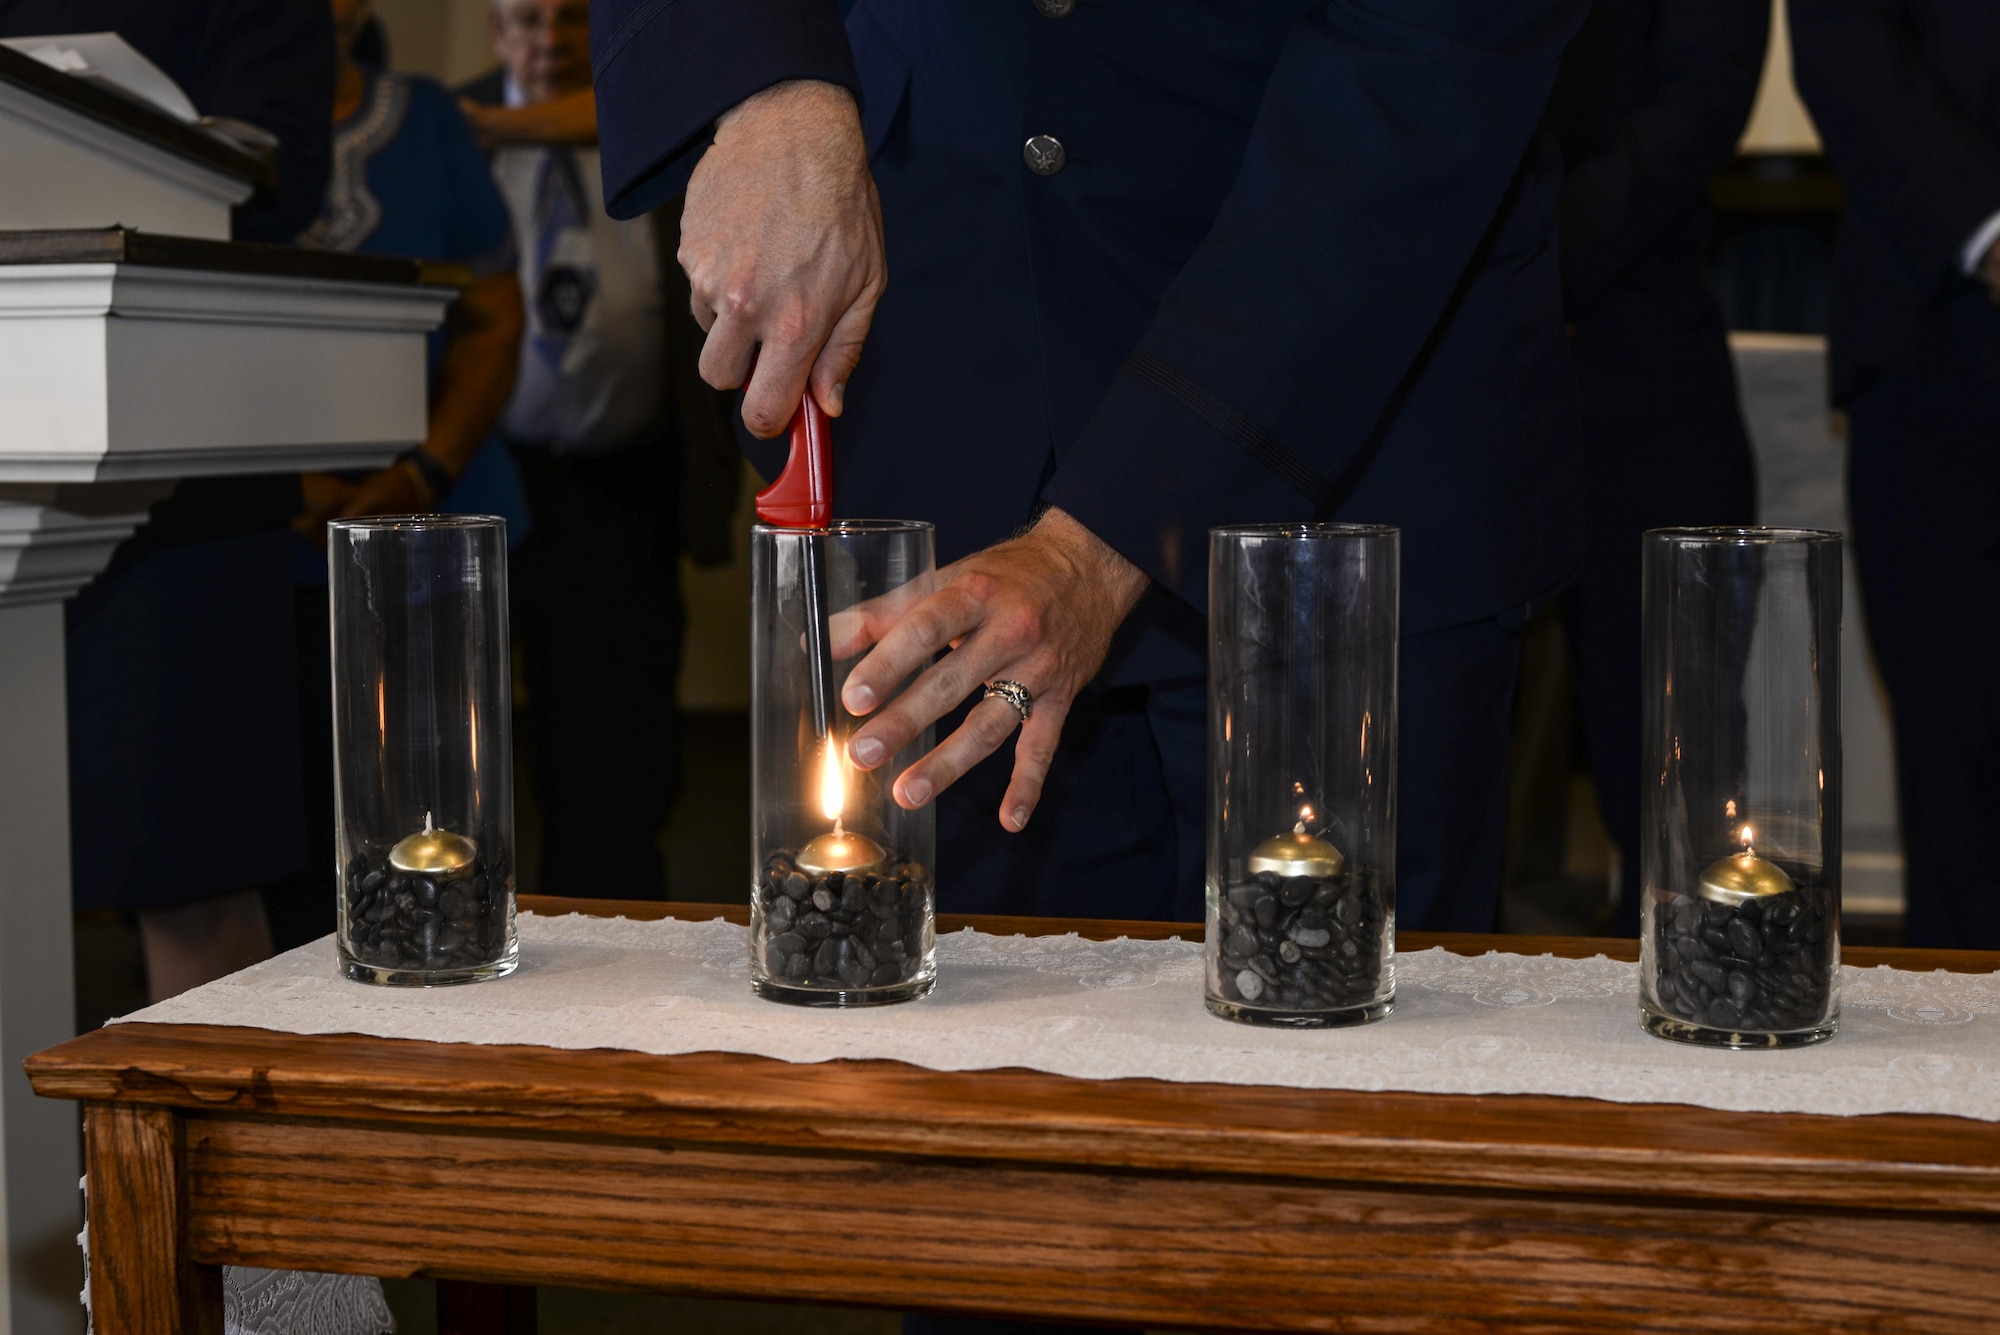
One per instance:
(839, 356)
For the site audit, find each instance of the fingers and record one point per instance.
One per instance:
(703, 313)
(842, 352)
(1033, 754)
(851, 631)
(984, 730)
(777, 382)
(730, 350)
(908, 645)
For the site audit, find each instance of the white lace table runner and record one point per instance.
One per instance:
(1104, 1010)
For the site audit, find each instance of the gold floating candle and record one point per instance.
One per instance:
(1298, 853)
(1743, 876)
(432, 851)
(840, 849)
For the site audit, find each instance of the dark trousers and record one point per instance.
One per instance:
(596, 608)
(1122, 828)
(1641, 472)
(1924, 488)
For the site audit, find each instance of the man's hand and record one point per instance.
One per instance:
(1989, 273)
(398, 489)
(326, 497)
(781, 238)
(1039, 609)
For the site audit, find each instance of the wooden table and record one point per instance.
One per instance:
(1013, 1192)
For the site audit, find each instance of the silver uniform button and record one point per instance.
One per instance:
(1056, 9)
(1044, 154)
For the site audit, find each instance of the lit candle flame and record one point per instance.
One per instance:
(832, 784)
(1305, 818)
(1749, 836)
(837, 850)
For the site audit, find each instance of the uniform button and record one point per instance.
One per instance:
(1044, 154)
(1055, 9)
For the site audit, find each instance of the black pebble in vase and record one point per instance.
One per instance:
(424, 923)
(1299, 946)
(1747, 973)
(842, 938)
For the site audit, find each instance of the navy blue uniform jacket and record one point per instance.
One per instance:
(1300, 264)
(1906, 94)
(1651, 101)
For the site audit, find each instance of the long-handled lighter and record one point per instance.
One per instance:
(802, 498)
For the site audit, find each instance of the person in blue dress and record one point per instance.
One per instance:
(407, 179)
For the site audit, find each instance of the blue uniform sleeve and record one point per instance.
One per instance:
(478, 232)
(1707, 57)
(1387, 141)
(665, 69)
(1905, 153)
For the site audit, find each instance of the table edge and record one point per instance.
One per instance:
(1895, 1162)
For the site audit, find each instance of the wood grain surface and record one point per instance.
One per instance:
(145, 1281)
(1585, 1146)
(1213, 1252)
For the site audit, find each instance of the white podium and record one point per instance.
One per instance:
(77, 155)
(128, 360)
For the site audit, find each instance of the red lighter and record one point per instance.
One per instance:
(802, 497)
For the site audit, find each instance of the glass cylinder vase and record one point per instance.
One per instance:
(422, 752)
(1302, 773)
(841, 885)
(1740, 859)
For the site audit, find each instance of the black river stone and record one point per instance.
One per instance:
(1298, 943)
(1764, 966)
(841, 931)
(414, 922)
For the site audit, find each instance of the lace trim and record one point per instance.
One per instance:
(352, 212)
(298, 1302)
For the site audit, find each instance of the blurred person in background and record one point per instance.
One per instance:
(1906, 96)
(184, 789)
(1652, 98)
(407, 180)
(628, 459)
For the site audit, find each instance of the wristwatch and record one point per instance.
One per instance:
(435, 475)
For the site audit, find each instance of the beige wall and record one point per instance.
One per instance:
(446, 39)
(715, 666)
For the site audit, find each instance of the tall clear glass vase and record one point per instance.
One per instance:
(841, 887)
(422, 748)
(1740, 861)
(1302, 773)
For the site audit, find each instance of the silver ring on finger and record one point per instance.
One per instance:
(1015, 694)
